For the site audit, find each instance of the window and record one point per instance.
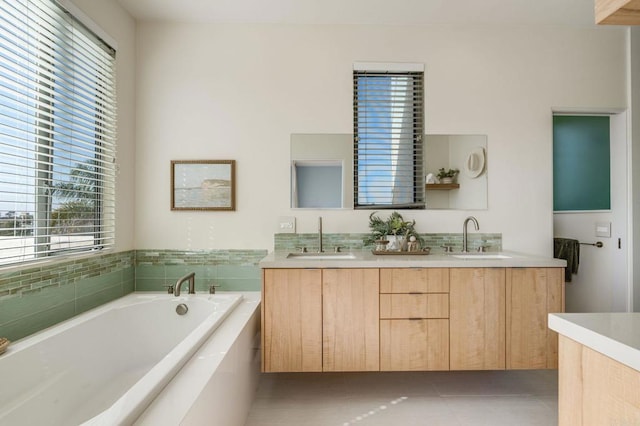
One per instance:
(57, 134)
(581, 163)
(388, 127)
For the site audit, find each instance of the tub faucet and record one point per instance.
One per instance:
(464, 231)
(192, 284)
(320, 250)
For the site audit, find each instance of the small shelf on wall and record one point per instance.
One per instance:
(442, 186)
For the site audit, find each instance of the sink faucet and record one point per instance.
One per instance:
(464, 231)
(192, 284)
(320, 250)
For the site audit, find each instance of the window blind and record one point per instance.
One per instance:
(57, 134)
(388, 149)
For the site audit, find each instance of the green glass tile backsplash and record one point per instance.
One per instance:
(35, 298)
(291, 242)
(228, 270)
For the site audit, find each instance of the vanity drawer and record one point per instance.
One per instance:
(426, 305)
(414, 280)
(414, 345)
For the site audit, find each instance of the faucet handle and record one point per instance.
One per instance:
(447, 249)
(301, 249)
(170, 288)
(338, 249)
(482, 248)
(212, 288)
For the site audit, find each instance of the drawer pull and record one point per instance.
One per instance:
(416, 319)
(415, 292)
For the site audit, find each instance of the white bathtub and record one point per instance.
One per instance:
(106, 366)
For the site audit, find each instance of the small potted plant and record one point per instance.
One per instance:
(447, 176)
(395, 229)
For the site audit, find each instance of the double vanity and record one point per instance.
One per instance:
(358, 311)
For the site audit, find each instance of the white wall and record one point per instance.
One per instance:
(634, 53)
(119, 25)
(206, 91)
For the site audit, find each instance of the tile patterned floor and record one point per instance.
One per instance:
(492, 398)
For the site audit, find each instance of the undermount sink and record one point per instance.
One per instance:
(321, 256)
(487, 256)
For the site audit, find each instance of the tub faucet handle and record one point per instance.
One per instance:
(212, 288)
(169, 288)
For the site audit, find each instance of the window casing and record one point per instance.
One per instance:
(57, 134)
(388, 120)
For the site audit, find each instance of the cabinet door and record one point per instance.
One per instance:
(533, 293)
(414, 344)
(292, 320)
(414, 280)
(477, 318)
(351, 329)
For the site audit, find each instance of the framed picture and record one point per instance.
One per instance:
(203, 185)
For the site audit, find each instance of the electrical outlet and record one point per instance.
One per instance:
(286, 225)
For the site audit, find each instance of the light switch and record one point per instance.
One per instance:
(603, 229)
(286, 225)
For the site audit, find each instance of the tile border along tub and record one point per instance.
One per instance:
(39, 296)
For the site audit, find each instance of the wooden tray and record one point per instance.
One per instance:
(401, 253)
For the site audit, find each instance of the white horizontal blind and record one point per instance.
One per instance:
(57, 134)
(388, 149)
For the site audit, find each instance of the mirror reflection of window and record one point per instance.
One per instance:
(321, 171)
(317, 184)
(440, 151)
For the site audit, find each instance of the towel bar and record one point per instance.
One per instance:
(596, 244)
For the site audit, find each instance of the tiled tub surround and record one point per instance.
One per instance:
(291, 242)
(229, 270)
(34, 298)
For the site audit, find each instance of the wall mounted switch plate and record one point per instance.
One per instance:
(286, 225)
(603, 229)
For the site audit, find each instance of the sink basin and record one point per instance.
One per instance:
(487, 256)
(321, 256)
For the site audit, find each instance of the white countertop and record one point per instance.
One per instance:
(366, 259)
(616, 335)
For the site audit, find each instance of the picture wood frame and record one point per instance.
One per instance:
(207, 185)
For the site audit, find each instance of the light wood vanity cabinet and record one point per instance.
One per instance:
(410, 319)
(414, 319)
(292, 320)
(350, 325)
(531, 294)
(320, 320)
(477, 318)
(498, 317)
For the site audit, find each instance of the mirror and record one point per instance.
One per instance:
(468, 154)
(322, 171)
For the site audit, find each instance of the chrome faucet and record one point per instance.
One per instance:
(320, 250)
(192, 284)
(464, 231)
